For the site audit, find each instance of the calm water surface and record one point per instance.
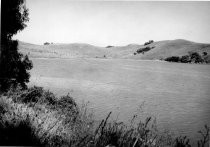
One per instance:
(178, 95)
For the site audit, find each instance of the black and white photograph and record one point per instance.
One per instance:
(103, 73)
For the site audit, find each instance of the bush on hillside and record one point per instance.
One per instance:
(149, 42)
(54, 123)
(195, 57)
(46, 43)
(30, 95)
(173, 59)
(37, 95)
(205, 53)
(206, 57)
(185, 59)
(109, 46)
(192, 57)
(67, 105)
(143, 50)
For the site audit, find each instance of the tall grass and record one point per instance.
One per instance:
(37, 117)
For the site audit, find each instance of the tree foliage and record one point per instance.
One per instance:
(149, 42)
(185, 59)
(143, 50)
(173, 59)
(46, 43)
(192, 57)
(13, 65)
(196, 57)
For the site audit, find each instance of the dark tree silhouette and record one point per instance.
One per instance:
(46, 43)
(173, 59)
(185, 59)
(149, 42)
(195, 57)
(13, 65)
(205, 53)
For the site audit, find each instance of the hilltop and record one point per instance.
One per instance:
(159, 50)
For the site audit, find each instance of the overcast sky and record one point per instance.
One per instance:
(115, 23)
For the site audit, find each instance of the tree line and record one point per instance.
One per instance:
(192, 57)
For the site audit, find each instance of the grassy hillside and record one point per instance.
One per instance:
(178, 47)
(162, 49)
(61, 50)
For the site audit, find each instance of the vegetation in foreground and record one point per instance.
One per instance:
(43, 119)
(14, 65)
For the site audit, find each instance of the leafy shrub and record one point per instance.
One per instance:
(206, 58)
(185, 59)
(173, 59)
(149, 42)
(42, 120)
(109, 46)
(68, 106)
(196, 57)
(146, 49)
(47, 97)
(205, 53)
(193, 57)
(32, 95)
(46, 43)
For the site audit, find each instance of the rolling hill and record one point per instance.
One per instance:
(161, 50)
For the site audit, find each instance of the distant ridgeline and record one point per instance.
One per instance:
(192, 57)
(178, 50)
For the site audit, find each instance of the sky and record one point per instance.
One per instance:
(105, 23)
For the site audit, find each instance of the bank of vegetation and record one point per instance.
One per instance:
(143, 50)
(192, 57)
(37, 117)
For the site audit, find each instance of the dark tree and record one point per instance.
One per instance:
(173, 59)
(185, 59)
(46, 43)
(109, 46)
(142, 50)
(13, 65)
(195, 57)
(149, 42)
(205, 53)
